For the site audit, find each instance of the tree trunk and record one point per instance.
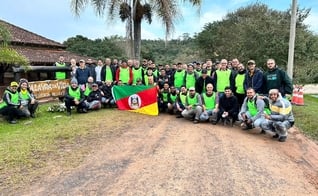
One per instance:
(137, 39)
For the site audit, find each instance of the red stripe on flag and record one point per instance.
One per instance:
(147, 97)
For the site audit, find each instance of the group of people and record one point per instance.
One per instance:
(221, 91)
(18, 101)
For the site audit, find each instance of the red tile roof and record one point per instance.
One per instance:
(19, 36)
(36, 48)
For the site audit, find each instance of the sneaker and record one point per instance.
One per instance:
(263, 132)
(214, 122)
(276, 135)
(179, 116)
(282, 138)
(84, 110)
(32, 115)
(195, 121)
(13, 122)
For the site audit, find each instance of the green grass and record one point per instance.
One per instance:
(27, 148)
(306, 117)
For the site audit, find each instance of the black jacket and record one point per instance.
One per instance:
(201, 84)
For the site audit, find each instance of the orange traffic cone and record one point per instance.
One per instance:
(299, 98)
(295, 95)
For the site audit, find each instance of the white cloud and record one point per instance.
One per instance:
(312, 22)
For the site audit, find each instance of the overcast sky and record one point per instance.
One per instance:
(53, 19)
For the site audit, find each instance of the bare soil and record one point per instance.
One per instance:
(168, 156)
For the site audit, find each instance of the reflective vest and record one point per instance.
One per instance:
(239, 83)
(223, 80)
(60, 75)
(14, 98)
(193, 100)
(209, 102)
(190, 80)
(124, 75)
(178, 78)
(108, 74)
(137, 74)
(75, 93)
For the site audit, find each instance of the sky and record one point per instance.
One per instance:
(54, 19)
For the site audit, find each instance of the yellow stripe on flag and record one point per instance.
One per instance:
(151, 109)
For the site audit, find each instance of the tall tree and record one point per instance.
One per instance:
(133, 12)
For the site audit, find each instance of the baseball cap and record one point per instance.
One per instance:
(14, 83)
(191, 89)
(251, 62)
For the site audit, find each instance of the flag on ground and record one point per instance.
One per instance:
(140, 99)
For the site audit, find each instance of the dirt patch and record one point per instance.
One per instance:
(163, 155)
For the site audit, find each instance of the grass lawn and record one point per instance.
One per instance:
(306, 117)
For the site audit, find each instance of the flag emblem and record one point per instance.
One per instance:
(134, 101)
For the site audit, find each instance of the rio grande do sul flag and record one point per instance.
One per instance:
(140, 99)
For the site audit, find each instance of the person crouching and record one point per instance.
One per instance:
(74, 96)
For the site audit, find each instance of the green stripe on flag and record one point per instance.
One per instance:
(126, 91)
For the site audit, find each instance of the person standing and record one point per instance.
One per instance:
(108, 72)
(60, 75)
(239, 84)
(276, 78)
(223, 77)
(98, 71)
(73, 68)
(253, 77)
(203, 81)
(124, 74)
(190, 77)
(178, 76)
(82, 73)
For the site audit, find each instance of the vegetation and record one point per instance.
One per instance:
(306, 116)
(257, 32)
(133, 12)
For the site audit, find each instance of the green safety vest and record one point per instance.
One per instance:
(252, 107)
(165, 96)
(223, 80)
(87, 90)
(198, 72)
(14, 98)
(24, 97)
(178, 78)
(173, 97)
(239, 83)
(193, 100)
(183, 98)
(124, 75)
(75, 93)
(109, 75)
(60, 75)
(190, 80)
(209, 101)
(137, 74)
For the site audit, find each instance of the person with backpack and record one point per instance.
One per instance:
(252, 111)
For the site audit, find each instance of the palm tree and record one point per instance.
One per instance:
(133, 12)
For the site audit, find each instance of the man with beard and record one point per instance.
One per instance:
(281, 117)
(193, 106)
(203, 81)
(239, 84)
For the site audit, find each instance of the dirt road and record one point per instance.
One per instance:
(168, 156)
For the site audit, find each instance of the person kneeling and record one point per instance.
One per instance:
(74, 96)
(281, 117)
(94, 98)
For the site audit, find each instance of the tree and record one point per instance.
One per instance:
(133, 12)
(257, 32)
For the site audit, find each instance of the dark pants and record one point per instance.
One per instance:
(71, 102)
(233, 115)
(11, 113)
